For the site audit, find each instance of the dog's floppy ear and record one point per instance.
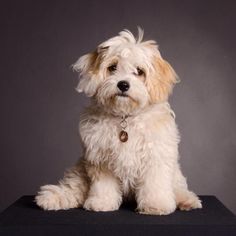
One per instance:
(161, 81)
(90, 73)
(87, 66)
(85, 63)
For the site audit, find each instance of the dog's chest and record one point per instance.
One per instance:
(103, 147)
(101, 138)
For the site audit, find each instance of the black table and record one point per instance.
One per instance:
(25, 218)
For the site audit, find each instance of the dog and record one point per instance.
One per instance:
(128, 134)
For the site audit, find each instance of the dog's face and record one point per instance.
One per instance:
(125, 75)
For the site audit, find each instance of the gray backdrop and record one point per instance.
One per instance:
(40, 107)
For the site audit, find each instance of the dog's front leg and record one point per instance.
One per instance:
(104, 193)
(155, 194)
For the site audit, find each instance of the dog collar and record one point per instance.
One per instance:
(123, 133)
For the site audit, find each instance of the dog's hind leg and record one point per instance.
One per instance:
(185, 199)
(70, 192)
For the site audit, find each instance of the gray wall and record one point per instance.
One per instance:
(40, 107)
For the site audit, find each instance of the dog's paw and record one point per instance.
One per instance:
(100, 204)
(149, 210)
(157, 209)
(161, 207)
(189, 202)
(53, 197)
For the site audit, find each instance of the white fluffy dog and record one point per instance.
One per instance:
(129, 136)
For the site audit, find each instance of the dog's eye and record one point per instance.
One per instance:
(112, 68)
(140, 71)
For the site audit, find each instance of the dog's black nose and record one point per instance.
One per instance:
(123, 85)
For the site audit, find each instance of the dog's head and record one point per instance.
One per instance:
(125, 75)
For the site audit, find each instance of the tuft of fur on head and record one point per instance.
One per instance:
(129, 55)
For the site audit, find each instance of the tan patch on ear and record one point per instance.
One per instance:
(94, 62)
(162, 80)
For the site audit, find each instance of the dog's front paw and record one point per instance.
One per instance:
(150, 210)
(157, 207)
(189, 201)
(53, 197)
(100, 204)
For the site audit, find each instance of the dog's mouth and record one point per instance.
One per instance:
(122, 95)
(125, 95)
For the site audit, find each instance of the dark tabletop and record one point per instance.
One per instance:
(25, 218)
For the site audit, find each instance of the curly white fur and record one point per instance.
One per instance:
(146, 166)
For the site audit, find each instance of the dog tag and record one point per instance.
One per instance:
(123, 136)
